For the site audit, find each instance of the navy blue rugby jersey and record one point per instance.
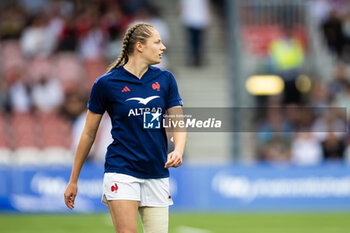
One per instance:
(135, 150)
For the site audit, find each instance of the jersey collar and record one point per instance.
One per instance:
(121, 74)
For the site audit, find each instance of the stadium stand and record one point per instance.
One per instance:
(69, 43)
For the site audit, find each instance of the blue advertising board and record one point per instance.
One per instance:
(267, 188)
(193, 188)
(41, 189)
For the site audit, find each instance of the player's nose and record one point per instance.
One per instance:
(163, 48)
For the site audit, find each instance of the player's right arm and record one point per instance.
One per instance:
(86, 140)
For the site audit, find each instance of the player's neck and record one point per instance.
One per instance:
(136, 67)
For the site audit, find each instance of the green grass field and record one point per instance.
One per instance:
(185, 223)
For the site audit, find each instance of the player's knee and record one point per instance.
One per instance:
(154, 219)
(126, 229)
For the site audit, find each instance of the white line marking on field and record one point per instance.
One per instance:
(186, 229)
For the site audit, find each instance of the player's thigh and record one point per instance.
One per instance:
(124, 215)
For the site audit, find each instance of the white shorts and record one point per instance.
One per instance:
(149, 192)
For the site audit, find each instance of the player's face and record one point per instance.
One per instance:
(154, 48)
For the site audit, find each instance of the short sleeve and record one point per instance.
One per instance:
(174, 98)
(97, 101)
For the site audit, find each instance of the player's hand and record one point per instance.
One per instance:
(174, 159)
(70, 194)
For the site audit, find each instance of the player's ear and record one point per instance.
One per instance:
(139, 47)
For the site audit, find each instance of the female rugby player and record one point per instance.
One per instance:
(136, 95)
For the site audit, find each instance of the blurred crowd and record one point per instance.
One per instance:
(333, 20)
(308, 123)
(51, 52)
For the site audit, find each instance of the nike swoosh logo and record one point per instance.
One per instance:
(144, 101)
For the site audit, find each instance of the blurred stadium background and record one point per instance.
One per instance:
(289, 172)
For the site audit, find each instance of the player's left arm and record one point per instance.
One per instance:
(180, 136)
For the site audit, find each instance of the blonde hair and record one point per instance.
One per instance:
(137, 33)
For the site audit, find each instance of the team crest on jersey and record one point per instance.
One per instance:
(156, 86)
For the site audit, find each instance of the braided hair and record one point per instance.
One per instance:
(137, 33)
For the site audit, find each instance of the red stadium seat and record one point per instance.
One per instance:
(69, 70)
(94, 69)
(12, 52)
(257, 38)
(55, 131)
(24, 130)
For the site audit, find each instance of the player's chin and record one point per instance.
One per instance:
(155, 61)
